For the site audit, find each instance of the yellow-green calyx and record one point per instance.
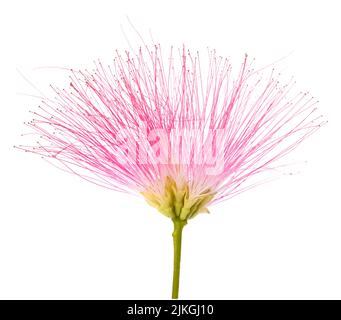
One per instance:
(177, 202)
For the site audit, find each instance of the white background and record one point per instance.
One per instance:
(61, 237)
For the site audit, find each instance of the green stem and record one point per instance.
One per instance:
(177, 234)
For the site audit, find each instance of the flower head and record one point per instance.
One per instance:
(181, 136)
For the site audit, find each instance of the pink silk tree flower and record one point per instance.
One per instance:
(181, 133)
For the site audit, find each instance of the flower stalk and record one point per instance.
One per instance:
(177, 237)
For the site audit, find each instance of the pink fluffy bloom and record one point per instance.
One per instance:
(131, 125)
(182, 133)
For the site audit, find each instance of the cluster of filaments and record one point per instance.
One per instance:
(258, 121)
